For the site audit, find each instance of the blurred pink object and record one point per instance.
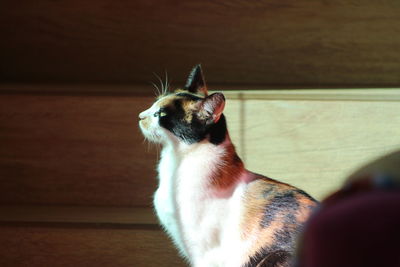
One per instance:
(359, 225)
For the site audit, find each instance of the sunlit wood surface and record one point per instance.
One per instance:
(87, 149)
(317, 141)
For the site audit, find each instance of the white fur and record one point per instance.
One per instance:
(204, 226)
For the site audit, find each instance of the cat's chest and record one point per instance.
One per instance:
(190, 210)
(209, 224)
(189, 174)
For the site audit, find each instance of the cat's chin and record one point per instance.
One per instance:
(152, 137)
(154, 141)
(157, 138)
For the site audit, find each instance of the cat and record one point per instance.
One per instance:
(216, 212)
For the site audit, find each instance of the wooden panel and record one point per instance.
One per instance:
(118, 216)
(81, 246)
(74, 150)
(314, 144)
(298, 43)
(83, 236)
(86, 149)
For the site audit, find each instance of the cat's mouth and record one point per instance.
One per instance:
(144, 128)
(144, 123)
(149, 135)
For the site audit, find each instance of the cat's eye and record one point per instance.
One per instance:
(160, 113)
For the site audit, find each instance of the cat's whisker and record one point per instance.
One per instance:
(166, 87)
(148, 143)
(144, 140)
(159, 89)
(158, 93)
(148, 146)
(158, 151)
(161, 83)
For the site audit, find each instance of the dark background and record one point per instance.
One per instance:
(314, 43)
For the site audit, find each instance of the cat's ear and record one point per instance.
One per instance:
(213, 106)
(195, 82)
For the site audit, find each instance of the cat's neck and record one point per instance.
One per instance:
(181, 149)
(219, 165)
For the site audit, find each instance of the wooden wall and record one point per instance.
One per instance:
(87, 149)
(74, 170)
(314, 139)
(74, 150)
(90, 245)
(76, 178)
(310, 44)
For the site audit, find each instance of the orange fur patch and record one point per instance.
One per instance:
(166, 100)
(256, 200)
(229, 171)
(304, 211)
(145, 122)
(259, 195)
(189, 107)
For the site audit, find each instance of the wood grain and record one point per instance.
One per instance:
(86, 149)
(314, 144)
(74, 150)
(302, 43)
(94, 215)
(69, 246)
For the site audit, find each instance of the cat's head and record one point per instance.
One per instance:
(186, 115)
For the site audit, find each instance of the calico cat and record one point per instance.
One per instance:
(217, 212)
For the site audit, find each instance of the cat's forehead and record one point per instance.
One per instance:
(181, 96)
(165, 100)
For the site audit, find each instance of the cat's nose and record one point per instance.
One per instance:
(142, 116)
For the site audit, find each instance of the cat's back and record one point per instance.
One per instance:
(273, 214)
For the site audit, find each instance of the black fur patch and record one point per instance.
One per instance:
(282, 203)
(174, 122)
(301, 192)
(195, 80)
(269, 191)
(189, 96)
(270, 259)
(194, 131)
(218, 131)
(278, 254)
(285, 237)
